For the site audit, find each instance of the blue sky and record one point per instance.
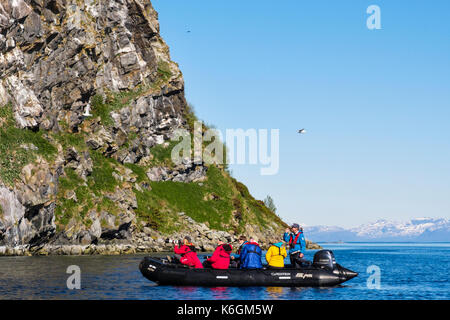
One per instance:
(375, 103)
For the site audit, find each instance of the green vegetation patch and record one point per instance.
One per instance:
(67, 208)
(89, 195)
(69, 139)
(191, 118)
(192, 198)
(217, 200)
(162, 154)
(64, 213)
(138, 170)
(164, 72)
(257, 210)
(152, 212)
(102, 178)
(18, 147)
(115, 101)
(109, 206)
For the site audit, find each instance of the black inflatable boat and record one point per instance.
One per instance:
(324, 271)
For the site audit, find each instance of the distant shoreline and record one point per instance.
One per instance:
(103, 249)
(377, 242)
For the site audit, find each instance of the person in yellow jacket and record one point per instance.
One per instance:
(275, 255)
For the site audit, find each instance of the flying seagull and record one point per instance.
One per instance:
(302, 131)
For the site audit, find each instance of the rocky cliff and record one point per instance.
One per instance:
(89, 100)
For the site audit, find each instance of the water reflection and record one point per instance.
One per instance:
(222, 293)
(189, 293)
(118, 277)
(275, 292)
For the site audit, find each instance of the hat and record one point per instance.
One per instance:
(295, 225)
(227, 247)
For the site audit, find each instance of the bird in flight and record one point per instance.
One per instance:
(302, 131)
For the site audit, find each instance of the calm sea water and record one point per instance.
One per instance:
(408, 271)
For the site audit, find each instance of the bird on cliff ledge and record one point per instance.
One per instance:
(87, 111)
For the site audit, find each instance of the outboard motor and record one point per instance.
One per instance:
(324, 259)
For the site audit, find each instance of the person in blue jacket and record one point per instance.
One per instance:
(236, 260)
(251, 256)
(296, 240)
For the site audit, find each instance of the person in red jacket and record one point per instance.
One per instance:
(186, 255)
(220, 258)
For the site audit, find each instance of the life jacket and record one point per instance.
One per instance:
(242, 246)
(254, 249)
(296, 242)
(293, 241)
(251, 256)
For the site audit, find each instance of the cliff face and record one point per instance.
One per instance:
(89, 100)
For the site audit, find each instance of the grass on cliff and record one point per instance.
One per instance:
(192, 198)
(102, 178)
(90, 194)
(162, 154)
(257, 209)
(70, 139)
(67, 208)
(220, 201)
(215, 201)
(163, 75)
(19, 147)
(115, 101)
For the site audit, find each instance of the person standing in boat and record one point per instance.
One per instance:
(251, 255)
(220, 258)
(237, 260)
(294, 236)
(185, 254)
(275, 255)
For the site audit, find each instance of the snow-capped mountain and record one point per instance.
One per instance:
(419, 229)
